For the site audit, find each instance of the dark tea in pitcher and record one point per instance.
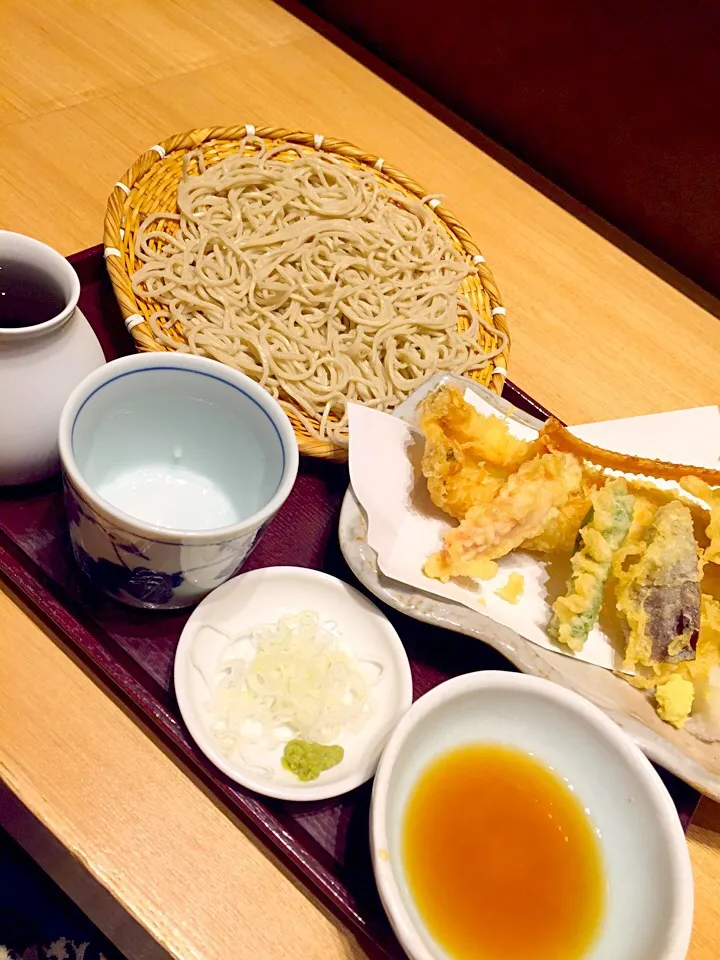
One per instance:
(28, 295)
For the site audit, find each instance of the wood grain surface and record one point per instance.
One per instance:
(84, 88)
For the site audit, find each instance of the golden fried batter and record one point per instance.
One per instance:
(508, 493)
(483, 438)
(703, 491)
(659, 595)
(554, 436)
(697, 671)
(561, 531)
(530, 497)
(467, 456)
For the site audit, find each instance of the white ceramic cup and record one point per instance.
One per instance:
(649, 887)
(173, 465)
(40, 364)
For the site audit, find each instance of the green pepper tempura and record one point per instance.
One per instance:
(603, 532)
(308, 760)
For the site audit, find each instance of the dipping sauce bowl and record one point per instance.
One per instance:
(648, 897)
(173, 465)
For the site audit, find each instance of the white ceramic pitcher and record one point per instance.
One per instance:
(40, 365)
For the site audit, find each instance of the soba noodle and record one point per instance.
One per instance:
(310, 277)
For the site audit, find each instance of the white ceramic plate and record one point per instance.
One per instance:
(263, 596)
(688, 757)
(649, 899)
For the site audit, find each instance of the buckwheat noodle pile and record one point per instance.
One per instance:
(310, 277)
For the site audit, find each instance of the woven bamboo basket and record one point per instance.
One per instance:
(150, 186)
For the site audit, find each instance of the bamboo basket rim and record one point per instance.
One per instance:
(119, 257)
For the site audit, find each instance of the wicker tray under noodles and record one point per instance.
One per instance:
(150, 186)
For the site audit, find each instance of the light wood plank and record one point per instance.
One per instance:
(84, 88)
(143, 827)
(584, 316)
(61, 54)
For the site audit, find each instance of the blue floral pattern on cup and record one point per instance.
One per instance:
(147, 586)
(145, 572)
(227, 458)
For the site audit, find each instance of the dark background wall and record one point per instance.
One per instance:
(616, 101)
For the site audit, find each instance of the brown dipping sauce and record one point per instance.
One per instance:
(502, 861)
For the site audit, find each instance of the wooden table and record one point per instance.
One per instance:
(84, 88)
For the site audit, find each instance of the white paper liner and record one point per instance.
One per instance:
(404, 527)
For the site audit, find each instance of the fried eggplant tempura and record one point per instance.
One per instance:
(675, 701)
(529, 498)
(659, 595)
(467, 456)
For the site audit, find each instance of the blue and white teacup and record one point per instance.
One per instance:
(173, 465)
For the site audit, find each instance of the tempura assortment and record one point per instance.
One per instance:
(646, 554)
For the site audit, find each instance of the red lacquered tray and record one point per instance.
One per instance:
(326, 844)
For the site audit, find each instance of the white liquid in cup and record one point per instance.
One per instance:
(171, 496)
(176, 463)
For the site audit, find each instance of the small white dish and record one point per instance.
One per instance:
(649, 906)
(263, 596)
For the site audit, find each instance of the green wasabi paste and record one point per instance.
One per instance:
(308, 760)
